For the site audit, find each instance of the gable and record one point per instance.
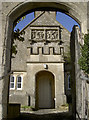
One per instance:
(44, 19)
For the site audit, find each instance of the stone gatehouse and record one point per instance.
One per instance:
(39, 78)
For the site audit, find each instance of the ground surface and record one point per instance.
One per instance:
(45, 114)
(53, 116)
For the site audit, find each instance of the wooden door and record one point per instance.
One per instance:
(45, 90)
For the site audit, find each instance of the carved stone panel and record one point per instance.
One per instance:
(52, 34)
(45, 34)
(33, 34)
(37, 34)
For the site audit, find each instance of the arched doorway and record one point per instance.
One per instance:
(13, 13)
(45, 90)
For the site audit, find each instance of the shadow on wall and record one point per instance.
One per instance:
(52, 116)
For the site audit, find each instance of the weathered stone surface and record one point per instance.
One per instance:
(12, 10)
(44, 20)
(88, 15)
(80, 107)
(40, 56)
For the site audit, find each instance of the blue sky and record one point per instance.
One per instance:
(62, 18)
(66, 21)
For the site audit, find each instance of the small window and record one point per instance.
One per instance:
(19, 82)
(69, 83)
(12, 82)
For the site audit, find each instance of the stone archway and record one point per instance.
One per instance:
(12, 11)
(45, 90)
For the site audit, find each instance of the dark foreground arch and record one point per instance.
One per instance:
(76, 11)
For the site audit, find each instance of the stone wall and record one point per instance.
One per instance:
(27, 50)
(36, 51)
(10, 12)
(79, 99)
(88, 15)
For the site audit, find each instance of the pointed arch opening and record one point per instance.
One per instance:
(15, 13)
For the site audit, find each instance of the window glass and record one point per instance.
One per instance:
(19, 85)
(69, 82)
(12, 82)
(19, 82)
(19, 79)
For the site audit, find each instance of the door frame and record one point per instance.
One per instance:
(37, 84)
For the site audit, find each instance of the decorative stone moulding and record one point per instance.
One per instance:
(41, 35)
(41, 50)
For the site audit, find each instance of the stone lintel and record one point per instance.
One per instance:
(45, 58)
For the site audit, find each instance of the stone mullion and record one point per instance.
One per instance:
(36, 34)
(44, 34)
